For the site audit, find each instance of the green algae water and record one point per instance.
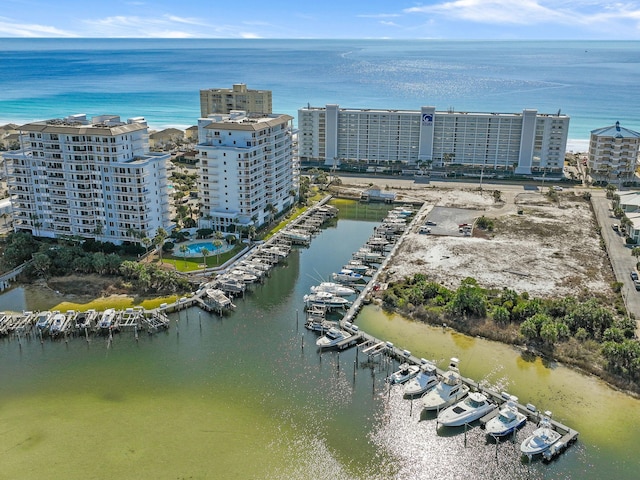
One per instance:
(249, 396)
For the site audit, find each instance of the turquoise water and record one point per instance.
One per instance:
(195, 249)
(594, 82)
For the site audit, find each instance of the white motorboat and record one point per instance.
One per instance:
(242, 275)
(475, 406)
(368, 256)
(508, 419)
(405, 372)
(332, 338)
(58, 323)
(357, 267)
(334, 289)
(425, 380)
(325, 299)
(319, 325)
(108, 318)
(346, 275)
(542, 438)
(448, 391)
(43, 320)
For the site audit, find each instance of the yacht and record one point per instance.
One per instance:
(332, 338)
(334, 289)
(405, 372)
(347, 275)
(107, 320)
(425, 380)
(356, 266)
(475, 406)
(508, 419)
(326, 299)
(448, 391)
(542, 438)
(58, 323)
(43, 320)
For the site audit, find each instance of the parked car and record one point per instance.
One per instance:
(429, 222)
(557, 188)
(634, 275)
(615, 227)
(425, 230)
(636, 283)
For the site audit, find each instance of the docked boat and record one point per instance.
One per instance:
(425, 380)
(58, 323)
(333, 337)
(473, 407)
(368, 256)
(334, 289)
(242, 275)
(542, 438)
(449, 389)
(346, 275)
(405, 372)
(218, 299)
(86, 319)
(108, 319)
(43, 320)
(325, 299)
(357, 267)
(508, 419)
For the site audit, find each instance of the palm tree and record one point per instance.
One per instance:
(218, 243)
(204, 253)
(183, 250)
(158, 240)
(251, 231)
(147, 242)
(272, 210)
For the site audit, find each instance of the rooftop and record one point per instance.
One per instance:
(615, 131)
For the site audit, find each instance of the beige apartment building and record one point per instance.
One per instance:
(239, 97)
(90, 178)
(247, 171)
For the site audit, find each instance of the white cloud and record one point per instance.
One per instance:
(531, 12)
(11, 28)
(494, 11)
(379, 15)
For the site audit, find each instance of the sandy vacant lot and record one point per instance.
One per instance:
(551, 249)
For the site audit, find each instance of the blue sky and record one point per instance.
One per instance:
(395, 19)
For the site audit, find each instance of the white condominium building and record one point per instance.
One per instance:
(247, 172)
(88, 178)
(522, 143)
(239, 97)
(613, 153)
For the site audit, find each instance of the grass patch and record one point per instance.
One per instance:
(192, 264)
(119, 302)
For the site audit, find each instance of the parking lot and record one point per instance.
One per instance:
(448, 220)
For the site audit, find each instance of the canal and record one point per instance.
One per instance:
(248, 395)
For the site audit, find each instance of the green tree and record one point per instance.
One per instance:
(204, 253)
(183, 250)
(41, 264)
(158, 240)
(501, 315)
(218, 243)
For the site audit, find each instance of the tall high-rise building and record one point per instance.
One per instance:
(613, 153)
(88, 178)
(239, 97)
(247, 170)
(523, 143)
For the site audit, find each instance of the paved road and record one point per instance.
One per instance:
(619, 254)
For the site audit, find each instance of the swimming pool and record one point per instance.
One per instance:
(195, 249)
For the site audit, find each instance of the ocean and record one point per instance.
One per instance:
(594, 82)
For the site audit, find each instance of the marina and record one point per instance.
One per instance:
(380, 352)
